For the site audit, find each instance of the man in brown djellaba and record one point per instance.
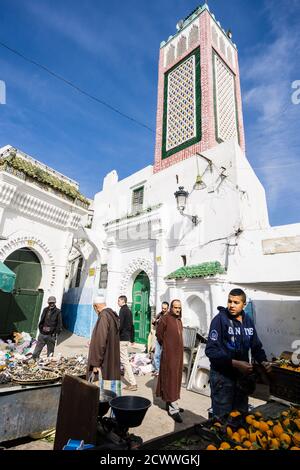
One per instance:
(169, 336)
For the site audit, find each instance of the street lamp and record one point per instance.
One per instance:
(181, 197)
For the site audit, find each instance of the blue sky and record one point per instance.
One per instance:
(110, 49)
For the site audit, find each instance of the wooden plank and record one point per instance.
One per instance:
(77, 412)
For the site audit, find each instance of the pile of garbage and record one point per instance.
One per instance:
(13, 352)
(20, 348)
(17, 365)
(140, 363)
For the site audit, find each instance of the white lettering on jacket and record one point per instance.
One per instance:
(237, 331)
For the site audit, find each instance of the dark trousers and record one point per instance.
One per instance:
(226, 396)
(44, 340)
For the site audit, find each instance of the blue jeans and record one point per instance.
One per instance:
(156, 358)
(226, 396)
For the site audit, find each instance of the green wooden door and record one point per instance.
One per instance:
(140, 308)
(20, 310)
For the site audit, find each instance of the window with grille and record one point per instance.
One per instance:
(103, 276)
(137, 199)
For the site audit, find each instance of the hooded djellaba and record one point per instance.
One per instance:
(169, 335)
(104, 351)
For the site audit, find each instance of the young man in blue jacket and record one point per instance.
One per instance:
(231, 336)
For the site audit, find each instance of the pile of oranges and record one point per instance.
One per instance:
(287, 364)
(256, 433)
(290, 367)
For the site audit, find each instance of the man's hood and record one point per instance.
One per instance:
(113, 315)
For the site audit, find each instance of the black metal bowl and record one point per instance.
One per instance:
(104, 398)
(129, 411)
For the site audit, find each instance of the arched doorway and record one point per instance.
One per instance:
(196, 314)
(140, 308)
(20, 310)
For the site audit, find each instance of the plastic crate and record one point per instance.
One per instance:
(285, 384)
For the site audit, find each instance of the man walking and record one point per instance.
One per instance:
(126, 337)
(169, 336)
(50, 326)
(104, 350)
(157, 347)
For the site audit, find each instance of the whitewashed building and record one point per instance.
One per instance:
(147, 245)
(40, 210)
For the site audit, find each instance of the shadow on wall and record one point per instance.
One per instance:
(77, 309)
(277, 324)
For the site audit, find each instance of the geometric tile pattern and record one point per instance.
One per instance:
(223, 45)
(225, 101)
(181, 104)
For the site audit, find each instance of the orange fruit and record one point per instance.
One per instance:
(270, 422)
(252, 436)
(225, 446)
(247, 444)
(239, 448)
(274, 443)
(284, 437)
(242, 432)
(286, 422)
(249, 419)
(295, 448)
(263, 426)
(229, 431)
(236, 437)
(256, 424)
(234, 414)
(258, 414)
(211, 447)
(296, 438)
(277, 430)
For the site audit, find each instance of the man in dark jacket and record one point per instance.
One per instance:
(50, 326)
(231, 336)
(104, 350)
(126, 337)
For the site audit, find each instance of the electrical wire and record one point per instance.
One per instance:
(109, 106)
(76, 87)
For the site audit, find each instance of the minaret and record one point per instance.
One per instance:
(199, 96)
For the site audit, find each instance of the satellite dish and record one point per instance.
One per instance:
(179, 25)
